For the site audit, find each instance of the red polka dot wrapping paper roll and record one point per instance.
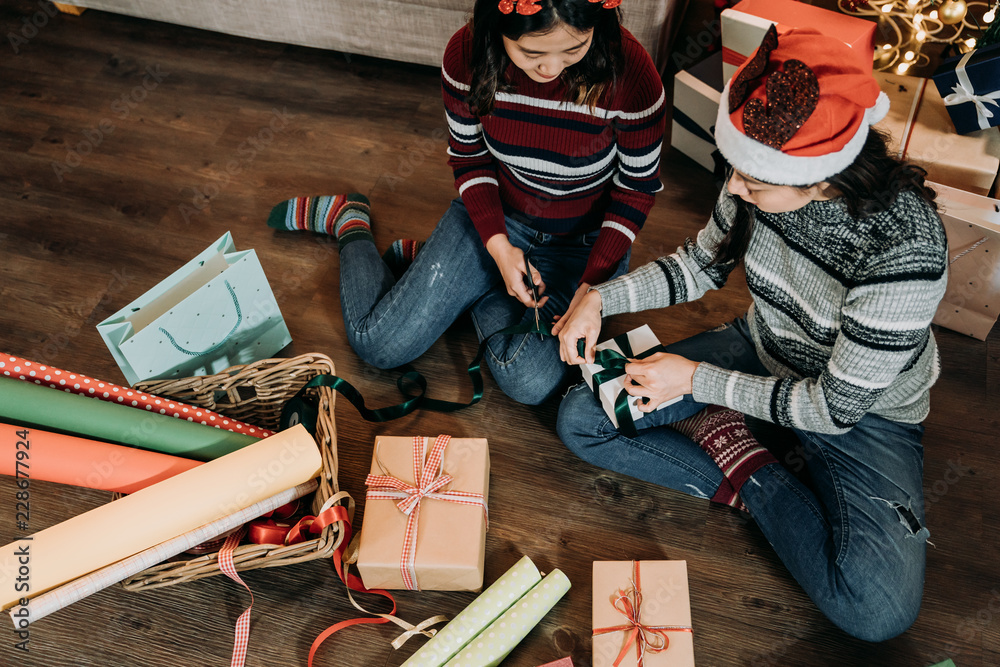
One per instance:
(44, 375)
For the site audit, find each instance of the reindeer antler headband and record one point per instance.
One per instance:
(529, 7)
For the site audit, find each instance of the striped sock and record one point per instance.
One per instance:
(345, 216)
(401, 254)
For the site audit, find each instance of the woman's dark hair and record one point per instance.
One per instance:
(867, 187)
(585, 81)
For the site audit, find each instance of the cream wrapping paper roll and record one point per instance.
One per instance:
(63, 596)
(107, 534)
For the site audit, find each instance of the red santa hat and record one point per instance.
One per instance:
(798, 111)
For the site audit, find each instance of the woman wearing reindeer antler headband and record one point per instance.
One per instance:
(556, 119)
(846, 262)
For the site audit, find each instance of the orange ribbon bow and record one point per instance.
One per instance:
(652, 638)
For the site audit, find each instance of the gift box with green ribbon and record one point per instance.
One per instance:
(607, 376)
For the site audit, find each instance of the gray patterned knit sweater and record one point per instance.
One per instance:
(841, 310)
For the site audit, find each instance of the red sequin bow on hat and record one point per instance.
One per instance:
(609, 4)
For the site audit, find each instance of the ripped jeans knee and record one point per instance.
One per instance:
(908, 518)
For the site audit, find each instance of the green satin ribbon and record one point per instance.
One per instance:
(614, 366)
(412, 377)
(613, 363)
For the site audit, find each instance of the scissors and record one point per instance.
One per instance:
(534, 293)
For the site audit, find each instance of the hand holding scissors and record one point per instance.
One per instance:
(534, 291)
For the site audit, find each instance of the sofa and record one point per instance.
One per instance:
(414, 31)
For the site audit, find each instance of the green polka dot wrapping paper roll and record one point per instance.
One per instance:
(655, 594)
(491, 646)
(510, 607)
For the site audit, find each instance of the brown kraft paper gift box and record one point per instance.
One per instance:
(971, 303)
(922, 132)
(450, 537)
(663, 585)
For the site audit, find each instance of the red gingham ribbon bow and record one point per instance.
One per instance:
(652, 638)
(428, 485)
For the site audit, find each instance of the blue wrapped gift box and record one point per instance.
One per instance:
(970, 86)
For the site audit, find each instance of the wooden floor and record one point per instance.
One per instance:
(100, 200)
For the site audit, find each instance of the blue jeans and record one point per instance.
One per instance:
(854, 538)
(391, 323)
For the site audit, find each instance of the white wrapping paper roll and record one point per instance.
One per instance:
(107, 534)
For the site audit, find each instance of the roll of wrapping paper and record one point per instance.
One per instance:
(19, 368)
(76, 590)
(492, 645)
(517, 585)
(29, 404)
(157, 513)
(66, 459)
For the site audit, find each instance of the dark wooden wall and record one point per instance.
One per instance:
(155, 184)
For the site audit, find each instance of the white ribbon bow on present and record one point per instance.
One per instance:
(966, 92)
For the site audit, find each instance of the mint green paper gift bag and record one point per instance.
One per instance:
(214, 312)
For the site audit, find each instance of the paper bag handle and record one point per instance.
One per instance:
(239, 320)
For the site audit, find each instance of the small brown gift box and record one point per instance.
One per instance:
(922, 132)
(660, 587)
(445, 534)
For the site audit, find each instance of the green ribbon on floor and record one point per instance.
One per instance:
(409, 377)
(612, 361)
(614, 366)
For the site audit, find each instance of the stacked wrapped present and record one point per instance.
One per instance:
(947, 124)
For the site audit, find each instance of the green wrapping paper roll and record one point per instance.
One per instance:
(491, 646)
(31, 404)
(517, 600)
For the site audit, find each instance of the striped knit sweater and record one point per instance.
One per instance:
(841, 311)
(557, 166)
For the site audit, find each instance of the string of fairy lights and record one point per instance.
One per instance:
(906, 26)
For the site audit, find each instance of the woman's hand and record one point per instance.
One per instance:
(582, 320)
(659, 377)
(513, 269)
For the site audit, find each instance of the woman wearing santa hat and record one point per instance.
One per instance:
(846, 261)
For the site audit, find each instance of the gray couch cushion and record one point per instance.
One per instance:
(412, 31)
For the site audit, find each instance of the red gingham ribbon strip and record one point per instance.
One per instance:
(243, 622)
(429, 482)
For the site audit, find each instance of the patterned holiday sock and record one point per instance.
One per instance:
(401, 254)
(723, 434)
(346, 216)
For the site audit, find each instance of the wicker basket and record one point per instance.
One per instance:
(255, 393)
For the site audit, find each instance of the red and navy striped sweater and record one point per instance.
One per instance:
(557, 166)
